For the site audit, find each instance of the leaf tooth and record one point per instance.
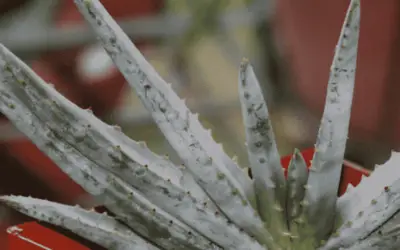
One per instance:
(117, 128)
(235, 158)
(98, 228)
(349, 188)
(248, 172)
(332, 135)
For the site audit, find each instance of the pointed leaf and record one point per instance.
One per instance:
(296, 186)
(98, 228)
(263, 154)
(296, 182)
(325, 171)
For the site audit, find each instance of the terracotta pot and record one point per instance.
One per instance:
(34, 236)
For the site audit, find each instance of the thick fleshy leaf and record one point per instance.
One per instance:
(98, 228)
(325, 171)
(226, 185)
(360, 197)
(387, 238)
(296, 182)
(389, 242)
(178, 176)
(264, 158)
(296, 185)
(368, 206)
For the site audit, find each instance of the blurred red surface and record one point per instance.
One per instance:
(33, 236)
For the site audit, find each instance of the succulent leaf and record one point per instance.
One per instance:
(370, 205)
(264, 158)
(296, 182)
(325, 171)
(383, 239)
(389, 242)
(224, 183)
(98, 228)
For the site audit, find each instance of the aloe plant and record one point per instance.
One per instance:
(209, 202)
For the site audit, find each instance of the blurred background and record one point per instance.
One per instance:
(197, 46)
